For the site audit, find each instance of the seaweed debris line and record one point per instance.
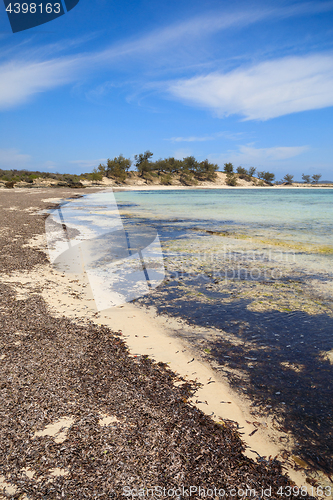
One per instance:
(84, 417)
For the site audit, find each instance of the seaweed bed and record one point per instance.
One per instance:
(53, 368)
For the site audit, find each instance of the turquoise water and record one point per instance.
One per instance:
(304, 216)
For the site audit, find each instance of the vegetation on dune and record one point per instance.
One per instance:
(115, 169)
(315, 178)
(12, 177)
(187, 171)
(190, 171)
(288, 179)
(266, 176)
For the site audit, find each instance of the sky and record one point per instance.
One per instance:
(244, 82)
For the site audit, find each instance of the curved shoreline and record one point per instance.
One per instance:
(161, 341)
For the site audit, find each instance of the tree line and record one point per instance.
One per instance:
(264, 176)
(189, 169)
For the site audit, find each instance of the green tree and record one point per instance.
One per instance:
(261, 175)
(167, 166)
(228, 168)
(190, 164)
(306, 178)
(101, 169)
(252, 171)
(117, 168)
(189, 168)
(288, 179)
(206, 171)
(315, 178)
(268, 177)
(143, 165)
(241, 171)
(173, 165)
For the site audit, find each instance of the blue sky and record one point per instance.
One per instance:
(250, 83)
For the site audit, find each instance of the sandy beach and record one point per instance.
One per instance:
(85, 410)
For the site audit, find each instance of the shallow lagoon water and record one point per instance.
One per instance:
(304, 216)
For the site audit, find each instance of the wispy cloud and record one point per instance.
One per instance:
(39, 71)
(275, 153)
(20, 79)
(192, 139)
(227, 135)
(35, 72)
(263, 91)
(88, 163)
(11, 158)
(207, 24)
(248, 154)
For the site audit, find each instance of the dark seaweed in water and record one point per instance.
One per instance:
(301, 400)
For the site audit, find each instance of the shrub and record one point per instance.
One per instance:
(206, 171)
(117, 168)
(288, 179)
(187, 178)
(142, 163)
(94, 176)
(261, 175)
(242, 171)
(228, 168)
(166, 180)
(269, 177)
(306, 178)
(266, 176)
(315, 178)
(231, 179)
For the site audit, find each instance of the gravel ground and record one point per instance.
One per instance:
(128, 426)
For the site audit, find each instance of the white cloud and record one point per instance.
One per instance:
(228, 135)
(88, 163)
(186, 33)
(264, 91)
(276, 153)
(35, 73)
(248, 154)
(192, 139)
(176, 44)
(12, 159)
(19, 79)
